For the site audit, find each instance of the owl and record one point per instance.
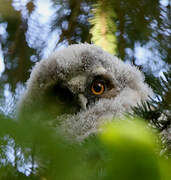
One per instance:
(81, 87)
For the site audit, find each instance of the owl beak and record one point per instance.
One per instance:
(82, 101)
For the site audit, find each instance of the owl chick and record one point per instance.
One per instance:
(81, 87)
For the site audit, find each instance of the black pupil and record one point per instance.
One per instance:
(97, 86)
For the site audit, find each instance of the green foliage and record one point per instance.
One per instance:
(75, 16)
(132, 150)
(158, 109)
(123, 150)
(103, 26)
(17, 53)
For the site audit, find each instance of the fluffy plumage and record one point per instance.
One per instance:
(61, 87)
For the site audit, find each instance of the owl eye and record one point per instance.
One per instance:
(97, 88)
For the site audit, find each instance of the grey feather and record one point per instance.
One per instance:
(74, 68)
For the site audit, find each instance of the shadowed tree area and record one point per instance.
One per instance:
(138, 32)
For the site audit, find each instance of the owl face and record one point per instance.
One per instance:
(81, 86)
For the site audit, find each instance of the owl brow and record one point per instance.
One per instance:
(106, 77)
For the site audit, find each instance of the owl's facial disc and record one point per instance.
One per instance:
(77, 94)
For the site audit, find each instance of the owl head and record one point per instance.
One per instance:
(80, 87)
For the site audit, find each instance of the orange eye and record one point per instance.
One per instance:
(97, 88)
